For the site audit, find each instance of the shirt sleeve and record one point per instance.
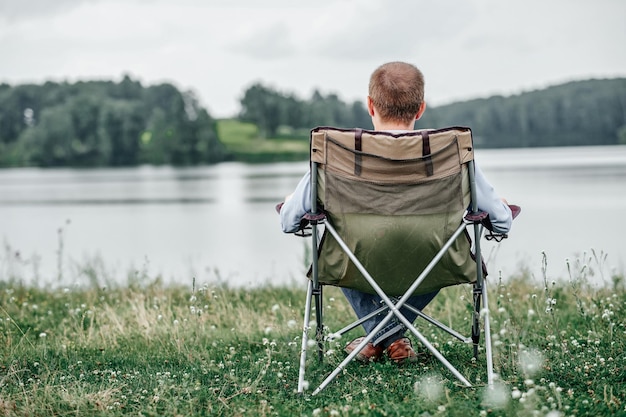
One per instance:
(296, 205)
(488, 201)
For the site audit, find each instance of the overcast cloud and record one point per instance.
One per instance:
(466, 48)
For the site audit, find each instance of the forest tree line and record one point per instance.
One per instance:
(591, 112)
(104, 123)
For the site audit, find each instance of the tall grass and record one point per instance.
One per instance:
(151, 350)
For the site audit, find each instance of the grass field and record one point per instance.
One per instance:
(149, 350)
(244, 142)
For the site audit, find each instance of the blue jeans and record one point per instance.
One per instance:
(364, 304)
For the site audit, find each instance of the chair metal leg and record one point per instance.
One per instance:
(438, 324)
(305, 337)
(476, 319)
(481, 290)
(488, 351)
(360, 321)
(368, 338)
(319, 332)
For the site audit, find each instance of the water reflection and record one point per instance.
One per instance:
(219, 222)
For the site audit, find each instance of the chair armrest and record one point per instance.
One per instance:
(515, 210)
(304, 227)
(482, 217)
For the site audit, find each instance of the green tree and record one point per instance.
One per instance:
(262, 106)
(93, 123)
(52, 139)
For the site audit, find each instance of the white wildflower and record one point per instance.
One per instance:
(516, 394)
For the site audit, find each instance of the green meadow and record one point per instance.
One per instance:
(146, 349)
(245, 143)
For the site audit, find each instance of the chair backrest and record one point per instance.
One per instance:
(395, 199)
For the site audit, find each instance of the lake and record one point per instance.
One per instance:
(217, 224)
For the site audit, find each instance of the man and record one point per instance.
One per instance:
(395, 102)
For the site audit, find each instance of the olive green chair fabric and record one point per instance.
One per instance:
(395, 200)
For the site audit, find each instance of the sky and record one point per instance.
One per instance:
(218, 48)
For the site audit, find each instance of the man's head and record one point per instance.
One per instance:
(396, 93)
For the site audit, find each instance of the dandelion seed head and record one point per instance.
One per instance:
(275, 308)
(268, 330)
(42, 335)
(291, 324)
(516, 394)
(496, 396)
(429, 387)
(530, 362)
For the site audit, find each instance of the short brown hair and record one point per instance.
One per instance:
(397, 91)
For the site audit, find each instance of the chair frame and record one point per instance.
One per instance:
(473, 219)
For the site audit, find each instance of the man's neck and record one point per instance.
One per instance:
(384, 126)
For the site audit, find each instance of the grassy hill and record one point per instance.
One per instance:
(244, 142)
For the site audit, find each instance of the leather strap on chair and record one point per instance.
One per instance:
(358, 146)
(426, 152)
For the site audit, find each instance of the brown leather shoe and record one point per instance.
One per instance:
(369, 353)
(401, 351)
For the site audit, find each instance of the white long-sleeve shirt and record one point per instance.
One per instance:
(299, 203)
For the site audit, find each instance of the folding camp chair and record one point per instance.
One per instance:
(395, 209)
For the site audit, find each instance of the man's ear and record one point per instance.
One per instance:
(421, 110)
(370, 106)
